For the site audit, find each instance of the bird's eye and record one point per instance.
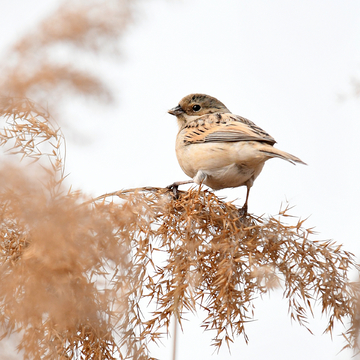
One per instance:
(196, 107)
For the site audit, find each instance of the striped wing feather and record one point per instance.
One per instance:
(224, 128)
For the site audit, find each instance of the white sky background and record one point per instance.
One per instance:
(282, 64)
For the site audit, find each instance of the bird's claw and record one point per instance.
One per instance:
(243, 211)
(174, 189)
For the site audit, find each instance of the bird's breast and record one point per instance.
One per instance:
(225, 164)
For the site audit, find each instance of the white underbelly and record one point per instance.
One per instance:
(229, 176)
(224, 164)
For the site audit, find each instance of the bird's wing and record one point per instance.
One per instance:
(224, 128)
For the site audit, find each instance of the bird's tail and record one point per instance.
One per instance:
(273, 152)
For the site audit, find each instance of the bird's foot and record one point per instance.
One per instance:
(243, 211)
(174, 187)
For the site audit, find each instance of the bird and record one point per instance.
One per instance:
(219, 149)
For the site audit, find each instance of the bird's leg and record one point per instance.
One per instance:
(200, 177)
(243, 210)
(175, 185)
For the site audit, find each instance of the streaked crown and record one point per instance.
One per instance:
(198, 105)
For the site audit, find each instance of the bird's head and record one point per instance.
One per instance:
(193, 106)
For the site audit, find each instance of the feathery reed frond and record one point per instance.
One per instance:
(220, 262)
(75, 272)
(44, 64)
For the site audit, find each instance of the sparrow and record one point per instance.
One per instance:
(219, 149)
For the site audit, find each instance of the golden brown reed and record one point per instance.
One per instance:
(74, 273)
(44, 64)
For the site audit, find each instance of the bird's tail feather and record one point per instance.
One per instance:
(273, 152)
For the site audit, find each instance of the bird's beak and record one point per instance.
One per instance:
(176, 111)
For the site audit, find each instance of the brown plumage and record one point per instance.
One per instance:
(219, 149)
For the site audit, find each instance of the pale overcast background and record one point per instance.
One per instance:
(287, 66)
